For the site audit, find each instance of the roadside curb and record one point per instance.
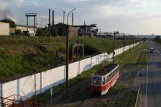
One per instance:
(137, 97)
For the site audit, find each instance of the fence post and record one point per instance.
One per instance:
(79, 67)
(91, 62)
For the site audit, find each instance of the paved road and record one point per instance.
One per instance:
(154, 77)
(150, 83)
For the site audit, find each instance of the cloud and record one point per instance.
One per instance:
(76, 0)
(106, 10)
(5, 12)
(108, 14)
(144, 16)
(18, 2)
(141, 3)
(36, 3)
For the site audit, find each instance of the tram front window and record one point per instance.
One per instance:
(96, 80)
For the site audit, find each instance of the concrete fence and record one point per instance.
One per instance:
(53, 77)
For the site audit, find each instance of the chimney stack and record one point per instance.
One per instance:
(49, 26)
(53, 17)
(49, 16)
(72, 18)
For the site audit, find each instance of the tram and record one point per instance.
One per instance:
(104, 79)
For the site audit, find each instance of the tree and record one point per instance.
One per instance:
(157, 38)
(42, 31)
(18, 32)
(12, 23)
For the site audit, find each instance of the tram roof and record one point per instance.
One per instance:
(108, 68)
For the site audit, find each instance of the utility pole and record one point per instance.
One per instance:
(27, 23)
(34, 24)
(124, 46)
(67, 54)
(34, 98)
(133, 41)
(114, 45)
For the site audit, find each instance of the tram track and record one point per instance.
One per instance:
(121, 91)
(68, 100)
(101, 97)
(76, 94)
(98, 99)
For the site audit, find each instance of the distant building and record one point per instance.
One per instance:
(61, 29)
(87, 30)
(24, 28)
(12, 31)
(32, 33)
(4, 29)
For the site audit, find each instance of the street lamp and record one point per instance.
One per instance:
(116, 32)
(67, 54)
(69, 14)
(64, 16)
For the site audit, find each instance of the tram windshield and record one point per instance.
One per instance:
(97, 80)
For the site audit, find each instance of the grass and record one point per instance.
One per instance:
(122, 101)
(22, 56)
(139, 55)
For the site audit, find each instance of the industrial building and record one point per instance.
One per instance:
(24, 28)
(4, 29)
(87, 30)
(61, 29)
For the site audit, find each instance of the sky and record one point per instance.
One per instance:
(125, 16)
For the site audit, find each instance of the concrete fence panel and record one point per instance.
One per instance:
(53, 77)
(10, 88)
(74, 69)
(111, 55)
(94, 60)
(85, 64)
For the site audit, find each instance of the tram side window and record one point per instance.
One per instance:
(107, 78)
(103, 81)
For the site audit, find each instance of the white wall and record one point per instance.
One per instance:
(45, 80)
(4, 29)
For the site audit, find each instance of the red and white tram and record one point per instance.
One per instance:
(105, 78)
